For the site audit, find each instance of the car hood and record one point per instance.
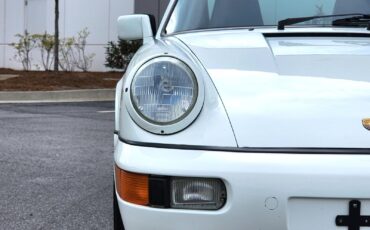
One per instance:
(289, 92)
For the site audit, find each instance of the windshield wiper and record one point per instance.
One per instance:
(358, 21)
(291, 21)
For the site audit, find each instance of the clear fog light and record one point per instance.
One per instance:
(197, 193)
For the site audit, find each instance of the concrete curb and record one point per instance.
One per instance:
(57, 96)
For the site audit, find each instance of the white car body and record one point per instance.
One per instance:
(281, 126)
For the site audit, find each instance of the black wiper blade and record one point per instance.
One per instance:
(292, 21)
(358, 21)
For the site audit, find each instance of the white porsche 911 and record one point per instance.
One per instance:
(246, 114)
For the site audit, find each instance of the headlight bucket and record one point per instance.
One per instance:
(165, 95)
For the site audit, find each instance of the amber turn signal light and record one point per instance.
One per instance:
(366, 123)
(132, 187)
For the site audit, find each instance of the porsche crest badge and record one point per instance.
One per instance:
(366, 123)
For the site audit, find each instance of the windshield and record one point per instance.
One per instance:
(209, 14)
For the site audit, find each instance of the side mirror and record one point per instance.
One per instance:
(135, 27)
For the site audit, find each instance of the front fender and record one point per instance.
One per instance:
(211, 128)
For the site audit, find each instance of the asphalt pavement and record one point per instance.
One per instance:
(56, 166)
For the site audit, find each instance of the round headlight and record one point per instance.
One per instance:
(164, 91)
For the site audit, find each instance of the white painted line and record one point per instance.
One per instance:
(106, 111)
(55, 101)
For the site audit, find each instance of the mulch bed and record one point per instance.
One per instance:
(46, 81)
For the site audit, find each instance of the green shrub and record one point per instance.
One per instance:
(83, 60)
(72, 51)
(119, 55)
(26, 43)
(67, 59)
(46, 44)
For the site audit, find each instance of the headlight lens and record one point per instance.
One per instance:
(164, 91)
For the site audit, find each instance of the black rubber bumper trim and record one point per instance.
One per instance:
(344, 151)
(316, 34)
(159, 191)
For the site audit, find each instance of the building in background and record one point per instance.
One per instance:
(152, 7)
(37, 17)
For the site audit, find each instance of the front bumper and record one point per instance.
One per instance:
(265, 191)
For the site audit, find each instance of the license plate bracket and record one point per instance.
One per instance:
(354, 220)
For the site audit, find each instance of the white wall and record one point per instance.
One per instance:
(36, 16)
(2, 32)
(99, 16)
(13, 24)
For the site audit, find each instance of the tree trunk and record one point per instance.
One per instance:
(56, 38)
